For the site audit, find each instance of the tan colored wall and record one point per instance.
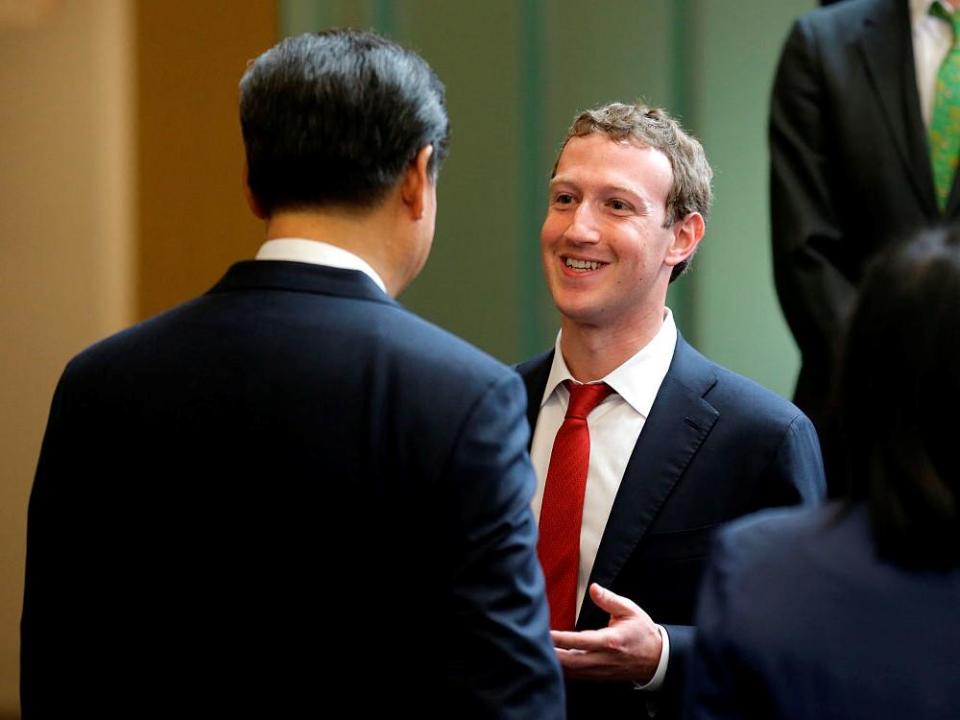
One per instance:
(193, 219)
(115, 117)
(65, 243)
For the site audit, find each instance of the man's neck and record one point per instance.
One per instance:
(361, 233)
(592, 352)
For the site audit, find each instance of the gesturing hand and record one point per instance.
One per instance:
(628, 649)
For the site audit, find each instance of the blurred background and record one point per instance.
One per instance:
(121, 160)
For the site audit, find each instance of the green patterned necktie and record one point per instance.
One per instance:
(945, 125)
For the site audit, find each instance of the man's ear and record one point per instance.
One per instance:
(416, 183)
(251, 199)
(687, 234)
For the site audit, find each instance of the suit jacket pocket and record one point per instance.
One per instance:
(663, 574)
(691, 543)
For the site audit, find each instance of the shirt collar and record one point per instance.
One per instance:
(638, 379)
(920, 9)
(317, 253)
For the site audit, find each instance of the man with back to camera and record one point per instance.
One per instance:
(642, 446)
(250, 502)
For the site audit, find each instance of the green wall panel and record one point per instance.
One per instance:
(516, 72)
(738, 319)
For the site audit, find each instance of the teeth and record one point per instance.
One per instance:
(582, 264)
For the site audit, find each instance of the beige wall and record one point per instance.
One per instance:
(65, 243)
(120, 183)
(192, 217)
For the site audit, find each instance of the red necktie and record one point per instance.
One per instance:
(562, 510)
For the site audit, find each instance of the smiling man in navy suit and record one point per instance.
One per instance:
(266, 500)
(630, 492)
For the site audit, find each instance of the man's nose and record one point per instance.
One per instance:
(583, 228)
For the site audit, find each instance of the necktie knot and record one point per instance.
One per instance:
(584, 398)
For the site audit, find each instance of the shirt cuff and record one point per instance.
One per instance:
(656, 682)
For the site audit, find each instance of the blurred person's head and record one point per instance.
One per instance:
(900, 389)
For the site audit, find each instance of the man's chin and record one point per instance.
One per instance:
(579, 313)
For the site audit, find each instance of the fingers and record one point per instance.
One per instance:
(622, 611)
(629, 648)
(595, 640)
(577, 661)
(579, 664)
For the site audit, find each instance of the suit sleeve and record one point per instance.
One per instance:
(56, 631)
(503, 663)
(794, 476)
(808, 243)
(713, 689)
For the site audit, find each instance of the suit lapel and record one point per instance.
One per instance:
(679, 421)
(535, 373)
(886, 45)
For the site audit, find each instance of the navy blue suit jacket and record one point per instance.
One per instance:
(715, 446)
(799, 619)
(287, 493)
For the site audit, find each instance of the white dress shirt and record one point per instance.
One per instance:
(614, 427)
(317, 253)
(932, 39)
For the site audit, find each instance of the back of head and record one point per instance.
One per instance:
(333, 118)
(900, 383)
(657, 129)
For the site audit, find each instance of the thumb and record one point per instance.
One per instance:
(610, 602)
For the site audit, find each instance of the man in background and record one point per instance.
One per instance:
(248, 503)
(642, 446)
(863, 151)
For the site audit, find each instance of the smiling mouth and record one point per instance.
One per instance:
(582, 265)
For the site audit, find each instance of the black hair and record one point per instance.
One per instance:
(333, 118)
(899, 396)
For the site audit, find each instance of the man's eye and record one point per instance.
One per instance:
(563, 198)
(619, 205)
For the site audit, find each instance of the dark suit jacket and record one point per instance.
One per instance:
(275, 494)
(799, 619)
(850, 172)
(715, 446)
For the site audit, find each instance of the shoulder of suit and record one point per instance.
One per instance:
(847, 15)
(104, 352)
(400, 332)
(775, 532)
(733, 392)
(537, 362)
(439, 350)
